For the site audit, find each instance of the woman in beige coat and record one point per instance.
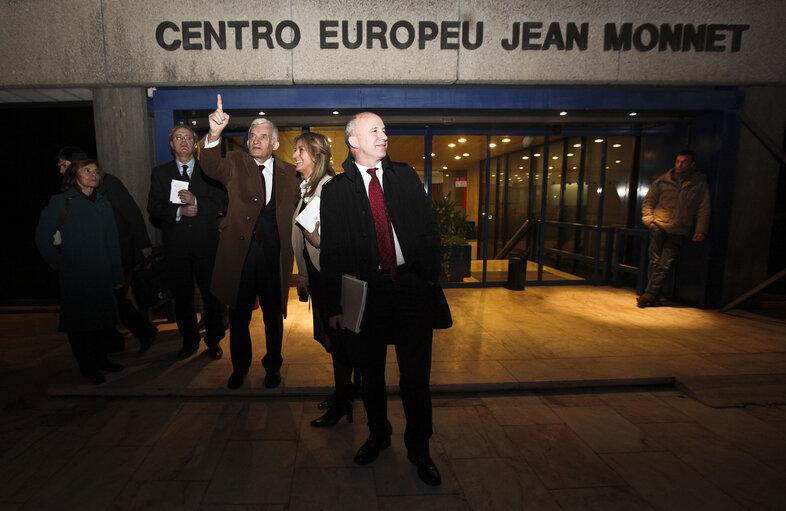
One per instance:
(312, 160)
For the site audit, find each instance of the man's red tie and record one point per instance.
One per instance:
(385, 245)
(258, 230)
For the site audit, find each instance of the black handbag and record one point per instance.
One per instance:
(148, 284)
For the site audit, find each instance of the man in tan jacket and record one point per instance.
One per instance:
(254, 258)
(676, 206)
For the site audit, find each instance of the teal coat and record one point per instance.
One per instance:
(89, 265)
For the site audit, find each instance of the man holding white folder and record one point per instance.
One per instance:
(378, 226)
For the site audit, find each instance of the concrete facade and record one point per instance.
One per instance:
(161, 43)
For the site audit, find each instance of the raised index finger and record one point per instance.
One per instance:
(219, 105)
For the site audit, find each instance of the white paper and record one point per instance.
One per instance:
(353, 301)
(309, 217)
(175, 187)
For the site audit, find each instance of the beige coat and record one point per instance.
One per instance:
(679, 208)
(298, 240)
(239, 173)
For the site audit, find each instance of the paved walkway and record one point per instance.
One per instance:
(551, 398)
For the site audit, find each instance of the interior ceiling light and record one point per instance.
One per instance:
(451, 144)
(632, 114)
(193, 123)
(492, 144)
(335, 112)
(525, 157)
(570, 154)
(555, 157)
(576, 145)
(598, 140)
(563, 113)
(462, 140)
(617, 145)
(465, 154)
(444, 167)
(618, 161)
(506, 140)
(261, 112)
(536, 155)
(433, 154)
(457, 157)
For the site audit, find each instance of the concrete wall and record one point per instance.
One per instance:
(158, 42)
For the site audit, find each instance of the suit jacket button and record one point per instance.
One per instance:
(254, 199)
(248, 218)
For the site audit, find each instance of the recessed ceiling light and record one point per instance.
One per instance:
(525, 157)
(632, 114)
(599, 140)
(570, 154)
(335, 112)
(492, 144)
(451, 144)
(193, 123)
(536, 155)
(576, 145)
(433, 154)
(462, 140)
(444, 167)
(261, 112)
(618, 161)
(465, 154)
(457, 157)
(555, 157)
(506, 140)
(617, 145)
(563, 113)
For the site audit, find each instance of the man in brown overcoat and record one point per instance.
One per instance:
(254, 258)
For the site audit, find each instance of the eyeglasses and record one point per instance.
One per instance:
(187, 138)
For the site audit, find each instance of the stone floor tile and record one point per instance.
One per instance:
(758, 438)
(775, 415)
(330, 447)
(340, 489)
(91, 480)
(607, 498)
(272, 419)
(470, 432)
(469, 371)
(749, 481)
(160, 496)
(511, 410)
(423, 503)
(189, 449)
(604, 430)
(643, 407)
(136, 423)
(667, 483)
(258, 472)
(560, 458)
(502, 484)
(558, 399)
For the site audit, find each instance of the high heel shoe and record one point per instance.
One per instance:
(333, 415)
(327, 403)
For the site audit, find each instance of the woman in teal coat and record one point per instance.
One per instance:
(87, 260)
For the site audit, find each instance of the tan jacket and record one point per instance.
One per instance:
(677, 208)
(239, 174)
(298, 241)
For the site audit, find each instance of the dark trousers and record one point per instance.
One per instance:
(131, 318)
(183, 271)
(90, 349)
(398, 316)
(262, 281)
(663, 251)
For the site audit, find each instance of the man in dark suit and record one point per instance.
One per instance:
(190, 239)
(377, 225)
(255, 254)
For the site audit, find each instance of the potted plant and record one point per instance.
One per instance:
(456, 252)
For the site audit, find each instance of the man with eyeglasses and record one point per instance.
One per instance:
(186, 204)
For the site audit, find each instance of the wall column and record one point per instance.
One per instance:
(123, 139)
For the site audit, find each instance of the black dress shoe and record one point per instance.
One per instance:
(327, 403)
(427, 470)
(369, 451)
(96, 377)
(333, 416)
(236, 380)
(273, 379)
(185, 353)
(145, 344)
(111, 367)
(215, 351)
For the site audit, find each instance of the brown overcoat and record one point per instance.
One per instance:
(239, 174)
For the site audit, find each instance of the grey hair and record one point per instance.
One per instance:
(262, 120)
(349, 130)
(181, 126)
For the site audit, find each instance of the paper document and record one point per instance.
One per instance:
(176, 186)
(309, 217)
(353, 301)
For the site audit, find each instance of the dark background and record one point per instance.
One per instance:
(31, 136)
